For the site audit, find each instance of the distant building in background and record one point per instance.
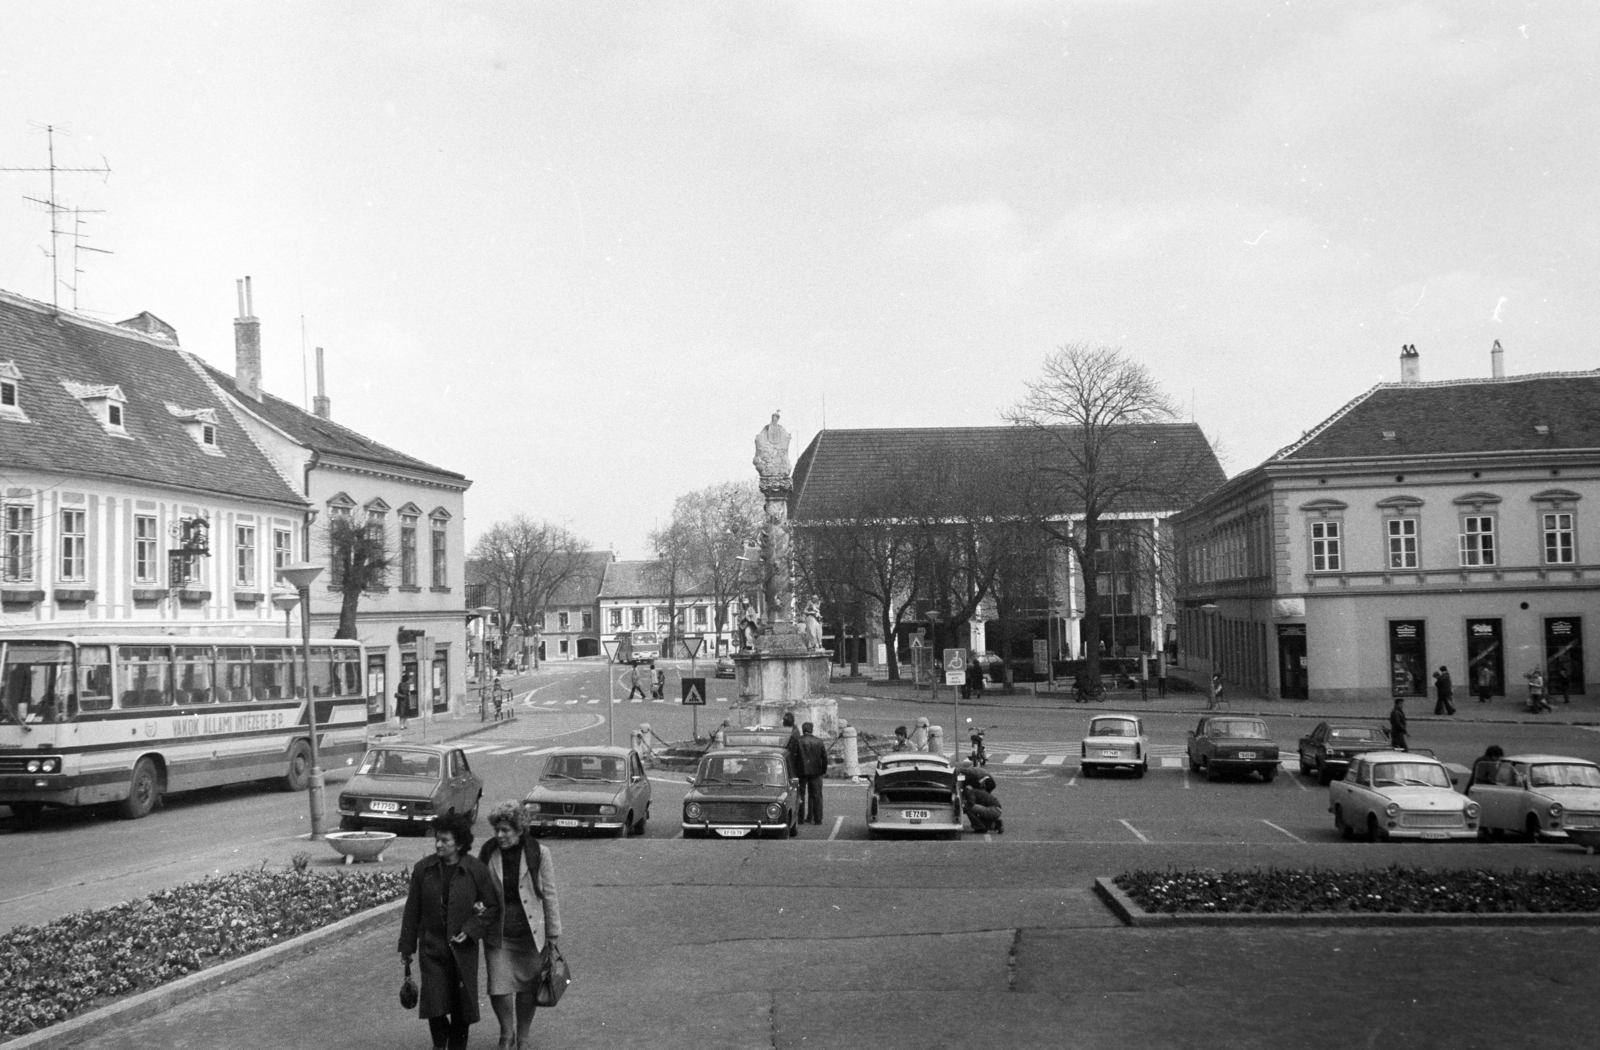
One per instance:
(571, 628)
(633, 603)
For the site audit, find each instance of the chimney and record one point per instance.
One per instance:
(1410, 369)
(320, 404)
(1497, 361)
(247, 345)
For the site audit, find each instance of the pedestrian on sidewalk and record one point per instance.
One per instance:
(1397, 724)
(517, 953)
(1560, 682)
(1536, 698)
(974, 680)
(1444, 691)
(450, 907)
(1216, 692)
(635, 683)
(405, 695)
(813, 765)
(1485, 682)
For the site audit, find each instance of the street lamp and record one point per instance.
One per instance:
(300, 577)
(284, 602)
(1210, 609)
(484, 612)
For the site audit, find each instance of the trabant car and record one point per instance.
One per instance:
(590, 789)
(1542, 796)
(746, 787)
(1222, 744)
(404, 786)
(1326, 751)
(1400, 795)
(914, 792)
(1115, 742)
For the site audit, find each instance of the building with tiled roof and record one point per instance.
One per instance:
(420, 616)
(842, 475)
(118, 454)
(633, 600)
(571, 627)
(1422, 525)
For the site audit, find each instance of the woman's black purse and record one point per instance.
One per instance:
(408, 990)
(553, 985)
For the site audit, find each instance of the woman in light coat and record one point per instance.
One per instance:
(516, 949)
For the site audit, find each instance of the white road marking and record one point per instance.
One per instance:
(1014, 760)
(1275, 827)
(1054, 760)
(475, 748)
(838, 822)
(1186, 779)
(541, 751)
(1071, 781)
(596, 700)
(1133, 829)
(574, 701)
(1297, 782)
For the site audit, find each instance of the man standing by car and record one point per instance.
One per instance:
(813, 764)
(1397, 724)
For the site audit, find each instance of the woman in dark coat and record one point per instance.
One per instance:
(530, 921)
(451, 906)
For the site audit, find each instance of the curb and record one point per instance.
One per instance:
(159, 1000)
(1131, 914)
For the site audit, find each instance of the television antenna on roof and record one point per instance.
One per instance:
(57, 209)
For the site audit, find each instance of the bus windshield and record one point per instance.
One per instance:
(37, 682)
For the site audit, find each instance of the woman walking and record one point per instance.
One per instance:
(515, 949)
(451, 907)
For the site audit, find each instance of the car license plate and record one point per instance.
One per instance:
(569, 823)
(1247, 754)
(1111, 754)
(1435, 835)
(914, 814)
(383, 807)
(733, 833)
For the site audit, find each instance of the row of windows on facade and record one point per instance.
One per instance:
(636, 616)
(438, 550)
(73, 548)
(1234, 555)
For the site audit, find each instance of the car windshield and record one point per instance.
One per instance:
(584, 767)
(1239, 727)
(744, 769)
(1112, 727)
(1410, 774)
(1362, 734)
(1565, 775)
(381, 763)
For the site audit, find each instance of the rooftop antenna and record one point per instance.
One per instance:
(56, 210)
(78, 246)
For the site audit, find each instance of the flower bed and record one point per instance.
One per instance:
(49, 973)
(1391, 889)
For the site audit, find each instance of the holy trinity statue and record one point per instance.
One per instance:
(772, 452)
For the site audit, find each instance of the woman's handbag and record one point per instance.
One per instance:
(553, 985)
(408, 990)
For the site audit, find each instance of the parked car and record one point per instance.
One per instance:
(1542, 796)
(1222, 744)
(1115, 742)
(1326, 751)
(993, 666)
(1400, 795)
(724, 667)
(914, 792)
(404, 786)
(590, 789)
(744, 789)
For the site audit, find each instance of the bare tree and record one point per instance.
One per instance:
(359, 557)
(525, 563)
(1095, 460)
(720, 521)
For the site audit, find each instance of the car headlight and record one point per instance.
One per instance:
(606, 811)
(692, 810)
(1472, 811)
(33, 765)
(531, 807)
(774, 811)
(1392, 808)
(1555, 810)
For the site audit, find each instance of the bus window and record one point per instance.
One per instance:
(144, 675)
(94, 679)
(347, 672)
(322, 672)
(233, 674)
(194, 674)
(36, 682)
(275, 674)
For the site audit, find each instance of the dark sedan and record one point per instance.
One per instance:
(1326, 751)
(741, 791)
(1223, 744)
(404, 786)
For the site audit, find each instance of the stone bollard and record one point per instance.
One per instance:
(852, 761)
(936, 740)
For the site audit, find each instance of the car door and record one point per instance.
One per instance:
(638, 787)
(1194, 741)
(1312, 747)
(1360, 796)
(1497, 801)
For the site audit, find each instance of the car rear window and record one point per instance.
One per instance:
(1239, 727)
(400, 764)
(1112, 727)
(1362, 733)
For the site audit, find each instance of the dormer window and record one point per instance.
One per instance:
(106, 404)
(208, 435)
(201, 423)
(11, 392)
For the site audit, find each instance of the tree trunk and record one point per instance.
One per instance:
(1091, 619)
(892, 658)
(351, 600)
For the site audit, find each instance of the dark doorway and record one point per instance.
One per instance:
(377, 686)
(1408, 658)
(1563, 654)
(588, 647)
(1486, 658)
(1293, 679)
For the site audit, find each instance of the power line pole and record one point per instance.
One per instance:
(56, 209)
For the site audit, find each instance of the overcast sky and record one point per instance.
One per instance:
(579, 251)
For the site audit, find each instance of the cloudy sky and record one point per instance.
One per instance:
(580, 251)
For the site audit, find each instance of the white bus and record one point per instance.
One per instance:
(126, 718)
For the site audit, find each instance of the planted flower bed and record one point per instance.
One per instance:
(1391, 889)
(50, 973)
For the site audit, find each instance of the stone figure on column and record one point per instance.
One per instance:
(772, 454)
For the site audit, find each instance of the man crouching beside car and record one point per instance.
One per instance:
(983, 809)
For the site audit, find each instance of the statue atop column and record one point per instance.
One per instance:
(772, 454)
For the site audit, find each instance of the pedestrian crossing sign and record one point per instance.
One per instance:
(694, 692)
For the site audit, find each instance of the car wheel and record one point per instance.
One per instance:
(1374, 833)
(1532, 828)
(1269, 774)
(1309, 768)
(1141, 770)
(1345, 831)
(1205, 767)
(144, 794)
(1194, 767)
(349, 824)
(298, 775)
(638, 829)
(1087, 771)
(627, 826)
(1324, 775)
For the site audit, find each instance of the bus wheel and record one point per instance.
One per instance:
(299, 775)
(145, 791)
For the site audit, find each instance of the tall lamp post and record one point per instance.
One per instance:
(284, 602)
(300, 577)
(1210, 609)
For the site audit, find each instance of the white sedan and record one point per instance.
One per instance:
(1400, 795)
(1543, 796)
(1113, 742)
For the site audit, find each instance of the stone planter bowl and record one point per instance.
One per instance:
(360, 845)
